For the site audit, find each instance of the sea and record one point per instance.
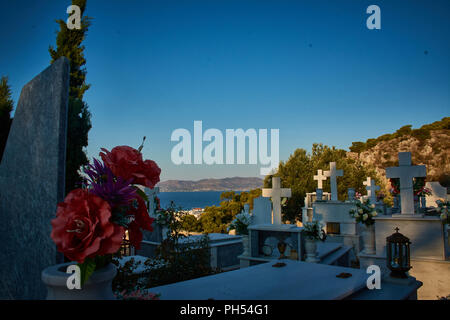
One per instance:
(190, 200)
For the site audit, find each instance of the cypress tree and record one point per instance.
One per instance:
(68, 44)
(6, 106)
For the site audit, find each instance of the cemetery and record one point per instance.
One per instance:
(325, 257)
(107, 237)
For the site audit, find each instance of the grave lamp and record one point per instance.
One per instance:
(398, 254)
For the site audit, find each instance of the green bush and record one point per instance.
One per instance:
(422, 134)
(175, 260)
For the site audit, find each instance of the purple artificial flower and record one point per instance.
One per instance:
(115, 190)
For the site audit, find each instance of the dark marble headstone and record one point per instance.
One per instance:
(32, 182)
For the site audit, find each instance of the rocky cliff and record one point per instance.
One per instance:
(429, 145)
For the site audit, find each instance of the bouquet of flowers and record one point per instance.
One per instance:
(314, 230)
(425, 192)
(443, 210)
(418, 186)
(163, 217)
(381, 196)
(240, 223)
(91, 222)
(365, 212)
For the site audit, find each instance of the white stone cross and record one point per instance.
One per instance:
(406, 172)
(371, 189)
(320, 177)
(333, 174)
(276, 193)
(152, 194)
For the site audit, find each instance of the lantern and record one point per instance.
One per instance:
(398, 254)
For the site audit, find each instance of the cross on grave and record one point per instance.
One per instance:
(371, 188)
(276, 193)
(152, 194)
(320, 177)
(406, 172)
(333, 174)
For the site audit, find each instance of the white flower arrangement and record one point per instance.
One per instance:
(240, 223)
(365, 212)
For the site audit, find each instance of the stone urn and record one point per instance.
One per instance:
(311, 250)
(368, 235)
(97, 287)
(245, 244)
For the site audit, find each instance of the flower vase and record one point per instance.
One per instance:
(245, 245)
(97, 287)
(369, 239)
(311, 250)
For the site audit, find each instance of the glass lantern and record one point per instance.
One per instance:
(398, 254)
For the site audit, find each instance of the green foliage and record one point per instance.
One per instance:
(216, 219)
(175, 260)
(190, 223)
(314, 230)
(405, 130)
(421, 134)
(69, 45)
(185, 261)
(298, 173)
(6, 106)
(87, 268)
(357, 147)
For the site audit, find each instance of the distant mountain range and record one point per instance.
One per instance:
(225, 184)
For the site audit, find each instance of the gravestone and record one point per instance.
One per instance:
(406, 172)
(333, 173)
(371, 188)
(320, 178)
(262, 211)
(276, 193)
(32, 182)
(152, 194)
(158, 233)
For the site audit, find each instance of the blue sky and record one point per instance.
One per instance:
(311, 69)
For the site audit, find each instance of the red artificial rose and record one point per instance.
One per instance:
(127, 163)
(141, 221)
(82, 227)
